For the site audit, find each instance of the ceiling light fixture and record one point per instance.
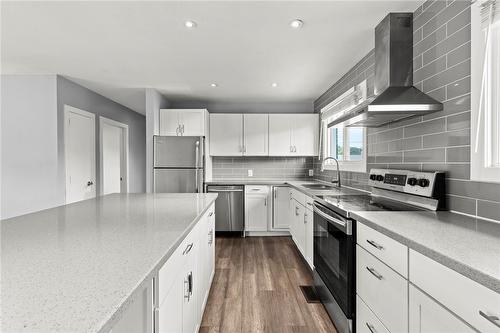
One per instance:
(190, 24)
(274, 84)
(297, 24)
(214, 85)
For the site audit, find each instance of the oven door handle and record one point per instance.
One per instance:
(329, 218)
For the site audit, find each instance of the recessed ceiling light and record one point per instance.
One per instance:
(190, 24)
(296, 24)
(274, 84)
(213, 85)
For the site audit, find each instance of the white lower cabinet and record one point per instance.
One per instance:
(301, 224)
(137, 317)
(281, 207)
(185, 279)
(427, 316)
(256, 208)
(366, 321)
(383, 290)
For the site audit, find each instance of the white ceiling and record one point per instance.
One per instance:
(118, 48)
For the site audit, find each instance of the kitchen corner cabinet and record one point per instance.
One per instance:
(293, 134)
(238, 134)
(184, 281)
(256, 208)
(183, 122)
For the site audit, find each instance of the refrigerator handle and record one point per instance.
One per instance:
(197, 153)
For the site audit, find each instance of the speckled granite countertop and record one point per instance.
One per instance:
(467, 245)
(75, 268)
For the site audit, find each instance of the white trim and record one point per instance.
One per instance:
(479, 171)
(354, 166)
(70, 109)
(125, 142)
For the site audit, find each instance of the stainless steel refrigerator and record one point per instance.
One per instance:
(179, 163)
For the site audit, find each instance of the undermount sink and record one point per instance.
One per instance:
(319, 186)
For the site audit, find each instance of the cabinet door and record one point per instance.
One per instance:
(281, 207)
(189, 306)
(226, 134)
(192, 122)
(280, 135)
(169, 122)
(255, 134)
(308, 241)
(299, 226)
(169, 315)
(427, 316)
(256, 212)
(305, 128)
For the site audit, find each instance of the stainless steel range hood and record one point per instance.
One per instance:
(395, 97)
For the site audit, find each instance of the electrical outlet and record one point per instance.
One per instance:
(311, 172)
(250, 173)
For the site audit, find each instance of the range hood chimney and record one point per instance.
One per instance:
(395, 96)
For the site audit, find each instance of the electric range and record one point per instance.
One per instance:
(335, 232)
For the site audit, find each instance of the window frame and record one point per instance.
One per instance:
(482, 144)
(344, 165)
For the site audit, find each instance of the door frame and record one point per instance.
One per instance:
(67, 110)
(124, 153)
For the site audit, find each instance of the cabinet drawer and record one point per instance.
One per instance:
(383, 290)
(466, 298)
(391, 252)
(366, 321)
(168, 272)
(256, 189)
(298, 196)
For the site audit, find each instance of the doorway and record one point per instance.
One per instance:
(114, 156)
(79, 152)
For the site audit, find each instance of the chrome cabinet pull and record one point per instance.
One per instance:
(375, 245)
(188, 248)
(296, 211)
(374, 272)
(305, 218)
(186, 288)
(371, 328)
(491, 318)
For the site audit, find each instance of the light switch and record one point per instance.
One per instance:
(250, 173)
(311, 172)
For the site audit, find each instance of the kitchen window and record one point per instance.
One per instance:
(485, 91)
(346, 144)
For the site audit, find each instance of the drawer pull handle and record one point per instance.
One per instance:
(374, 272)
(371, 328)
(188, 249)
(375, 245)
(491, 318)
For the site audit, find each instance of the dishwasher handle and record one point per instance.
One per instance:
(215, 191)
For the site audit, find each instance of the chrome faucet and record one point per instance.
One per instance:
(335, 181)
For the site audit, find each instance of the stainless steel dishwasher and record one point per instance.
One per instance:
(229, 208)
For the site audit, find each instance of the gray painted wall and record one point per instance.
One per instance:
(249, 107)
(70, 93)
(441, 140)
(29, 156)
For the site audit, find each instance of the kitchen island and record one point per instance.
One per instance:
(80, 267)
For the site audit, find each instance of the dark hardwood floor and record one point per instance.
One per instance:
(256, 289)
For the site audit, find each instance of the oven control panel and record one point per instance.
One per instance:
(412, 182)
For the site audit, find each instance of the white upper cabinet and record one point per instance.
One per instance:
(255, 134)
(280, 135)
(305, 134)
(293, 134)
(182, 122)
(226, 134)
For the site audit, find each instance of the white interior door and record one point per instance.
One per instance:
(79, 132)
(111, 158)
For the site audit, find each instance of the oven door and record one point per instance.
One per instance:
(334, 257)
